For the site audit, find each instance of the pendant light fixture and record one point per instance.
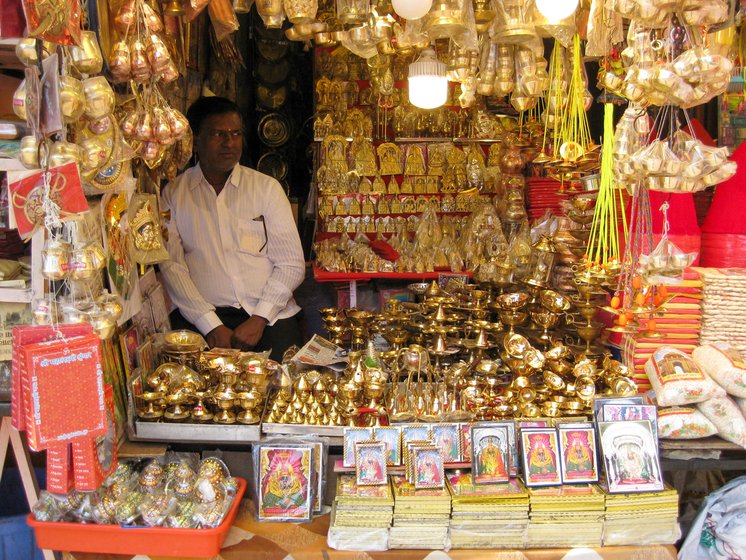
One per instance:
(428, 85)
(556, 10)
(411, 9)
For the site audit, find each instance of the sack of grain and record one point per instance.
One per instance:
(724, 364)
(684, 422)
(677, 380)
(725, 414)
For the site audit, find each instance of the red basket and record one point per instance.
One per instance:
(151, 541)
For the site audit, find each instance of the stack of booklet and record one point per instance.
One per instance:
(361, 515)
(644, 518)
(488, 515)
(421, 516)
(564, 516)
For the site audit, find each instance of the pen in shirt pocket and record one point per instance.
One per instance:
(260, 218)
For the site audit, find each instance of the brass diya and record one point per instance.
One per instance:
(153, 406)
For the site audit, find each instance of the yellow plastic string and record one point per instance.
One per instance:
(603, 244)
(575, 122)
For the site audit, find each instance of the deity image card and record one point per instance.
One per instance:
(391, 436)
(540, 450)
(284, 483)
(513, 449)
(578, 454)
(408, 459)
(600, 402)
(370, 463)
(428, 467)
(490, 454)
(351, 436)
(630, 453)
(448, 439)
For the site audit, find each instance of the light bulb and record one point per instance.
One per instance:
(428, 85)
(556, 10)
(412, 9)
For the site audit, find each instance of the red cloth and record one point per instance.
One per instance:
(726, 210)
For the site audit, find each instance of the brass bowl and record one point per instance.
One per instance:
(183, 341)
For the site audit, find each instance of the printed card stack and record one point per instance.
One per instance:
(723, 307)
(644, 518)
(488, 515)
(677, 326)
(421, 516)
(564, 516)
(59, 399)
(361, 515)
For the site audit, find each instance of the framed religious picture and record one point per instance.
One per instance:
(129, 342)
(284, 483)
(428, 467)
(145, 357)
(540, 452)
(513, 445)
(624, 412)
(370, 463)
(352, 436)
(447, 438)
(408, 456)
(630, 453)
(466, 441)
(600, 402)
(318, 456)
(391, 436)
(578, 453)
(490, 454)
(412, 432)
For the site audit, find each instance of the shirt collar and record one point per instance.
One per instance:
(199, 177)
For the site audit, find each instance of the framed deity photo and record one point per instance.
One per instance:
(490, 454)
(370, 463)
(540, 451)
(391, 436)
(448, 439)
(284, 490)
(578, 453)
(428, 467)
(466, 441)
(351, 437)
(630, 453)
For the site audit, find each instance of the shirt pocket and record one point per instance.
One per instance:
(252, 238)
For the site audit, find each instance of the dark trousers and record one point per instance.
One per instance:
(277, 338)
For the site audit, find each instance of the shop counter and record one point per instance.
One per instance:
(288, 541)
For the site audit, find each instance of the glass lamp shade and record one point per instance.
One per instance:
(555, 10)
(412, 9)
(428, 85)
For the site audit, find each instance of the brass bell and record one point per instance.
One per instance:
(174, 8)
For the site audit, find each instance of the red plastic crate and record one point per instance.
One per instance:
(151, 541)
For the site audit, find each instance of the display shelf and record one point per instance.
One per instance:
(336, 433)
(196, 433)
(325, 276)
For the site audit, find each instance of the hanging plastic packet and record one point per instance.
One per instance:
(57, 21)
(147, 238)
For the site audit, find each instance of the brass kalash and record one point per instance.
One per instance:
(473, 352)
(223, 386)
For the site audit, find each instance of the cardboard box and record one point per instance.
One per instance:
(59, 469)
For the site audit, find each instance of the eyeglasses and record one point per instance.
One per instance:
(224, 134)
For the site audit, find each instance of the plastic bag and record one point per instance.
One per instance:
(719, 531)
(725, 365)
